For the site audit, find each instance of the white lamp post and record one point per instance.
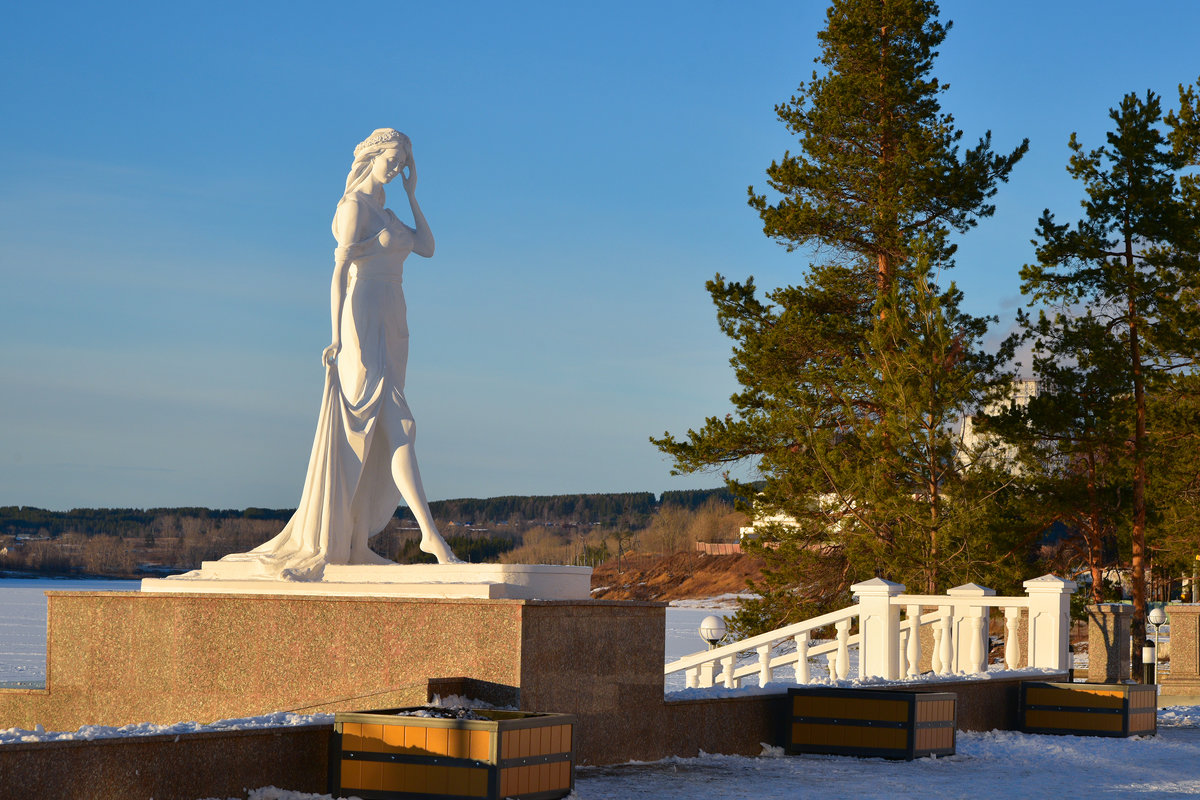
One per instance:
(712, 630)
(1156, 617)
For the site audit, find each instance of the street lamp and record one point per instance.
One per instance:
(1156, 617)
(712, 630)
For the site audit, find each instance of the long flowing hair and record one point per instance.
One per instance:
(381, 139)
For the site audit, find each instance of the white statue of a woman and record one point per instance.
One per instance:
(363, 461)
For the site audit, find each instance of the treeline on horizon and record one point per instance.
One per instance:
(579, 528)
(581, 509)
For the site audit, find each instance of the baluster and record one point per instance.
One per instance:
(1012, 644)
(842, 665)
(903, 644)
(693, 677)
(935, 657)
(914, 641)
(947, 644)
(802, 658)
(708, 671)
(730, 681)
(764, 665)
(978, 631)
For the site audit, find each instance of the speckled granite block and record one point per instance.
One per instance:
(217, 764)
(1184, 677)
(602, 662)
(115, 658)
(120, 657)
(1108, 642)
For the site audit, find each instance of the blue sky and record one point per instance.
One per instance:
(168, 173)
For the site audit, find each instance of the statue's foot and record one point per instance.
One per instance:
(436, 546)
(368, 556)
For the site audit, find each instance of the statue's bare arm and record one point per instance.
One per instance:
(348, 221)
(423, 243)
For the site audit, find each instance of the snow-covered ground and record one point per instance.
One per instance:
(998, 764)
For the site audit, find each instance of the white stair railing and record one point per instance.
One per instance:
(889, 646)
(701, 671)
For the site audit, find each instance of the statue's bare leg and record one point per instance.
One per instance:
(408, 481)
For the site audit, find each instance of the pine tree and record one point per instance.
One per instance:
(1071, 436)
(1174, 492)
(1130, 262)
(880, 165)
(852, 379)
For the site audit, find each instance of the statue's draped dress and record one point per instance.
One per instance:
(349, 492)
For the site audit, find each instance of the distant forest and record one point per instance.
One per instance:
(131, 542)
(631, 508)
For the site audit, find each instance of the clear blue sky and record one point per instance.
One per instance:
(168, 173)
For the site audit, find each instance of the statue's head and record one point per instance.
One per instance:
(382, 139)
(380, 151)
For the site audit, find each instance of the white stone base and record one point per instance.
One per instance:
(480, 581)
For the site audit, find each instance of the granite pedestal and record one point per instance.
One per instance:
(1184, 678)
(115, 658)
(1108, 642)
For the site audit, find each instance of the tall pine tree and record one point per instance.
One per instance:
(1130, 261)
(852, 380)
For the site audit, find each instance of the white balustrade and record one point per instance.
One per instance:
(879, 655)
(731, 682)
(1012, 642)
(890, 648)
(970, 628)
(913, 651)
(801, 657)
(935, 659)
(946, 645)
(1049, 621)
(842, 665)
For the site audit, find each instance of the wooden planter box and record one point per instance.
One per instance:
(381, 755)
(871, 722)
(1089, 709)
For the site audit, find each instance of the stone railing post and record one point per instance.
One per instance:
(1184, 678)
(971, 629)
(1049, 621)
(879, 628)
(1108, 642)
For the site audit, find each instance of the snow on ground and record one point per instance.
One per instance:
(723, 602)
(280, 719)
(999, 764)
